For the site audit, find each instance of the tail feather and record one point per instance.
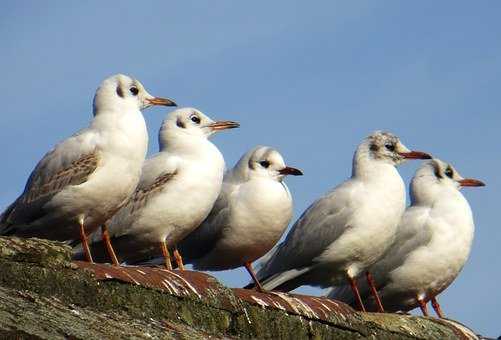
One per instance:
(284, 281)
(7, 228)
(343, 294)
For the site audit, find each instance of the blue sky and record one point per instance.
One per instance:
(311, 79)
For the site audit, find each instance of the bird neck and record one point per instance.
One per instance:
(451, 215)
(187, 145)
(367, 168)
(126, 119)
(124, 131)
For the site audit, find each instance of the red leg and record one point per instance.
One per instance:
(109, 247)
(179, 259)
(354, 288)
(372, 285)
(424, 308)
(85, 244)
(166, 255)
(436, 307)
(248, 266)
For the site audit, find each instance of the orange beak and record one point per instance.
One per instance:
(470, 182)
(160, 101)
(223, 125)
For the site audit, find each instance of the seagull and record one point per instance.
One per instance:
(432, 243)
(85, 179)
(176, 192)
(250, 215)
(344, 232)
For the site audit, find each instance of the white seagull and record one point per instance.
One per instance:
(432, 243)
(344, 232)
(176, 192)
(85, 179)
(249, 216)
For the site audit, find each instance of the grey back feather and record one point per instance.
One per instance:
(57, 170)
(320, 225)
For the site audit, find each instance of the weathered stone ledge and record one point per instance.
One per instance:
(43, 294)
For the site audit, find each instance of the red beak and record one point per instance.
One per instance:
(470, 182)
(415, 155)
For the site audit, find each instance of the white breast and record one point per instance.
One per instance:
(430, 269)
(186, 200)
(259, 212)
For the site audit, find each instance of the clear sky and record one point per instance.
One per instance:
(309, 78)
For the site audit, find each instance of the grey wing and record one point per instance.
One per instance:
(144, 193)
(320, 225)
(130, 248)
(412, 233)
(70, 163)
(157, 173)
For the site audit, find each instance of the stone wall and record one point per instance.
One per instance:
(43, 294)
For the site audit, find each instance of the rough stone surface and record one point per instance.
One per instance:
(44, 295)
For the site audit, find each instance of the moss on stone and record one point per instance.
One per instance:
(45, 296)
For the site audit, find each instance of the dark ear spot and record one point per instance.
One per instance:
(374, 147)
(251, 164)
(120, 92)
(180, 123)
(436, 169)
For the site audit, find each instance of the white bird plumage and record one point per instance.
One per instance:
(249, 216)
(176, 192)
(344, 232)
(432, 243)
(84, 179)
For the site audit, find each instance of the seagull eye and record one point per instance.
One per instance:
(265, 164)
(390, 147)
(134, 90)
(195, 119)
(449, 173)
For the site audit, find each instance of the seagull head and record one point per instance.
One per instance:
(121, 93)
(264, 161)
(387, 147)
(190, 122)
(435, 177)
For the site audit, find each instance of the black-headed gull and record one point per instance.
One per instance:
(249, 217)
(176, 192)
(432, 243)
(346, 231)
(82, 182)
